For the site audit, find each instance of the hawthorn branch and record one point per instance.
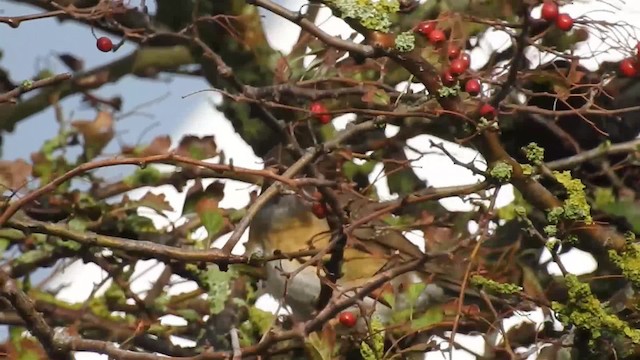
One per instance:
(27, 86)
(601, 151)
(159, 58)
(33, 319)
(147, 249)
(169, 158)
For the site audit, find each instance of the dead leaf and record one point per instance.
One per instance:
(93, 81)
(96, 134)
(531, 284)
(157, 202)
(72, 62)
(158, 146)
(375, 96)
(197, 148)
(14, 174)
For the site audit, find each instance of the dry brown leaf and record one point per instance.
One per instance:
(197, 148)
(96, 133)
(158, 146)
(14, 174)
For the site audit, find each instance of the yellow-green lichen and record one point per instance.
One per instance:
(405, 41)
(446, 91)
(501, 171)
(551, 230)
(372, 14)
(26, 84)
(586, 312)
(575, 206)
(527, 170)
(373, 347)
(534, 153)
(495, 287)
(552, 245)
(628, 261)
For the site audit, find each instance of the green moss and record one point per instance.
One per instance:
(575, 206)
(405, 41)
(534, 153)
(494, 286)
(628, 261)
(501, 171)
(586, 312)
(373, 15)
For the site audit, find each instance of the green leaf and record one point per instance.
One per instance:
(603, 197)
(627, 209)
(351, 169)
(218, 287)
(317, 349)
(78, 224)
(261, 319)
(212, 221)
(389, 298)
(189, 314)
(377, 97)
(414, 291)
(432, 316)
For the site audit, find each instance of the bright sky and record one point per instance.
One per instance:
(194, 115)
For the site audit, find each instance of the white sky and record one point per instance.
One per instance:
(202, 119)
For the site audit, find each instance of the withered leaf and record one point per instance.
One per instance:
(72, 62)
(158, 146)
(14, 174)
(199, 148)
(96, 133)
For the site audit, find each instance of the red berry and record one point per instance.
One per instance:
(426, 27)
(319, 210)
(549, 11)
(458, 66)
(447, 78)
(564, 22)
(487, 111)
(453, 52)
(472, 87)
(347, 319)
(466, 58)
(437, 36)
(319, 111)
(628, 68)
(324, 119)
(104, 44)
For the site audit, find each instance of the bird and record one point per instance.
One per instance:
(288, 224)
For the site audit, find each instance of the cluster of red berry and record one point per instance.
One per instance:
(320, 112)
(459, 61)
(551, 13)
(629, 67)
